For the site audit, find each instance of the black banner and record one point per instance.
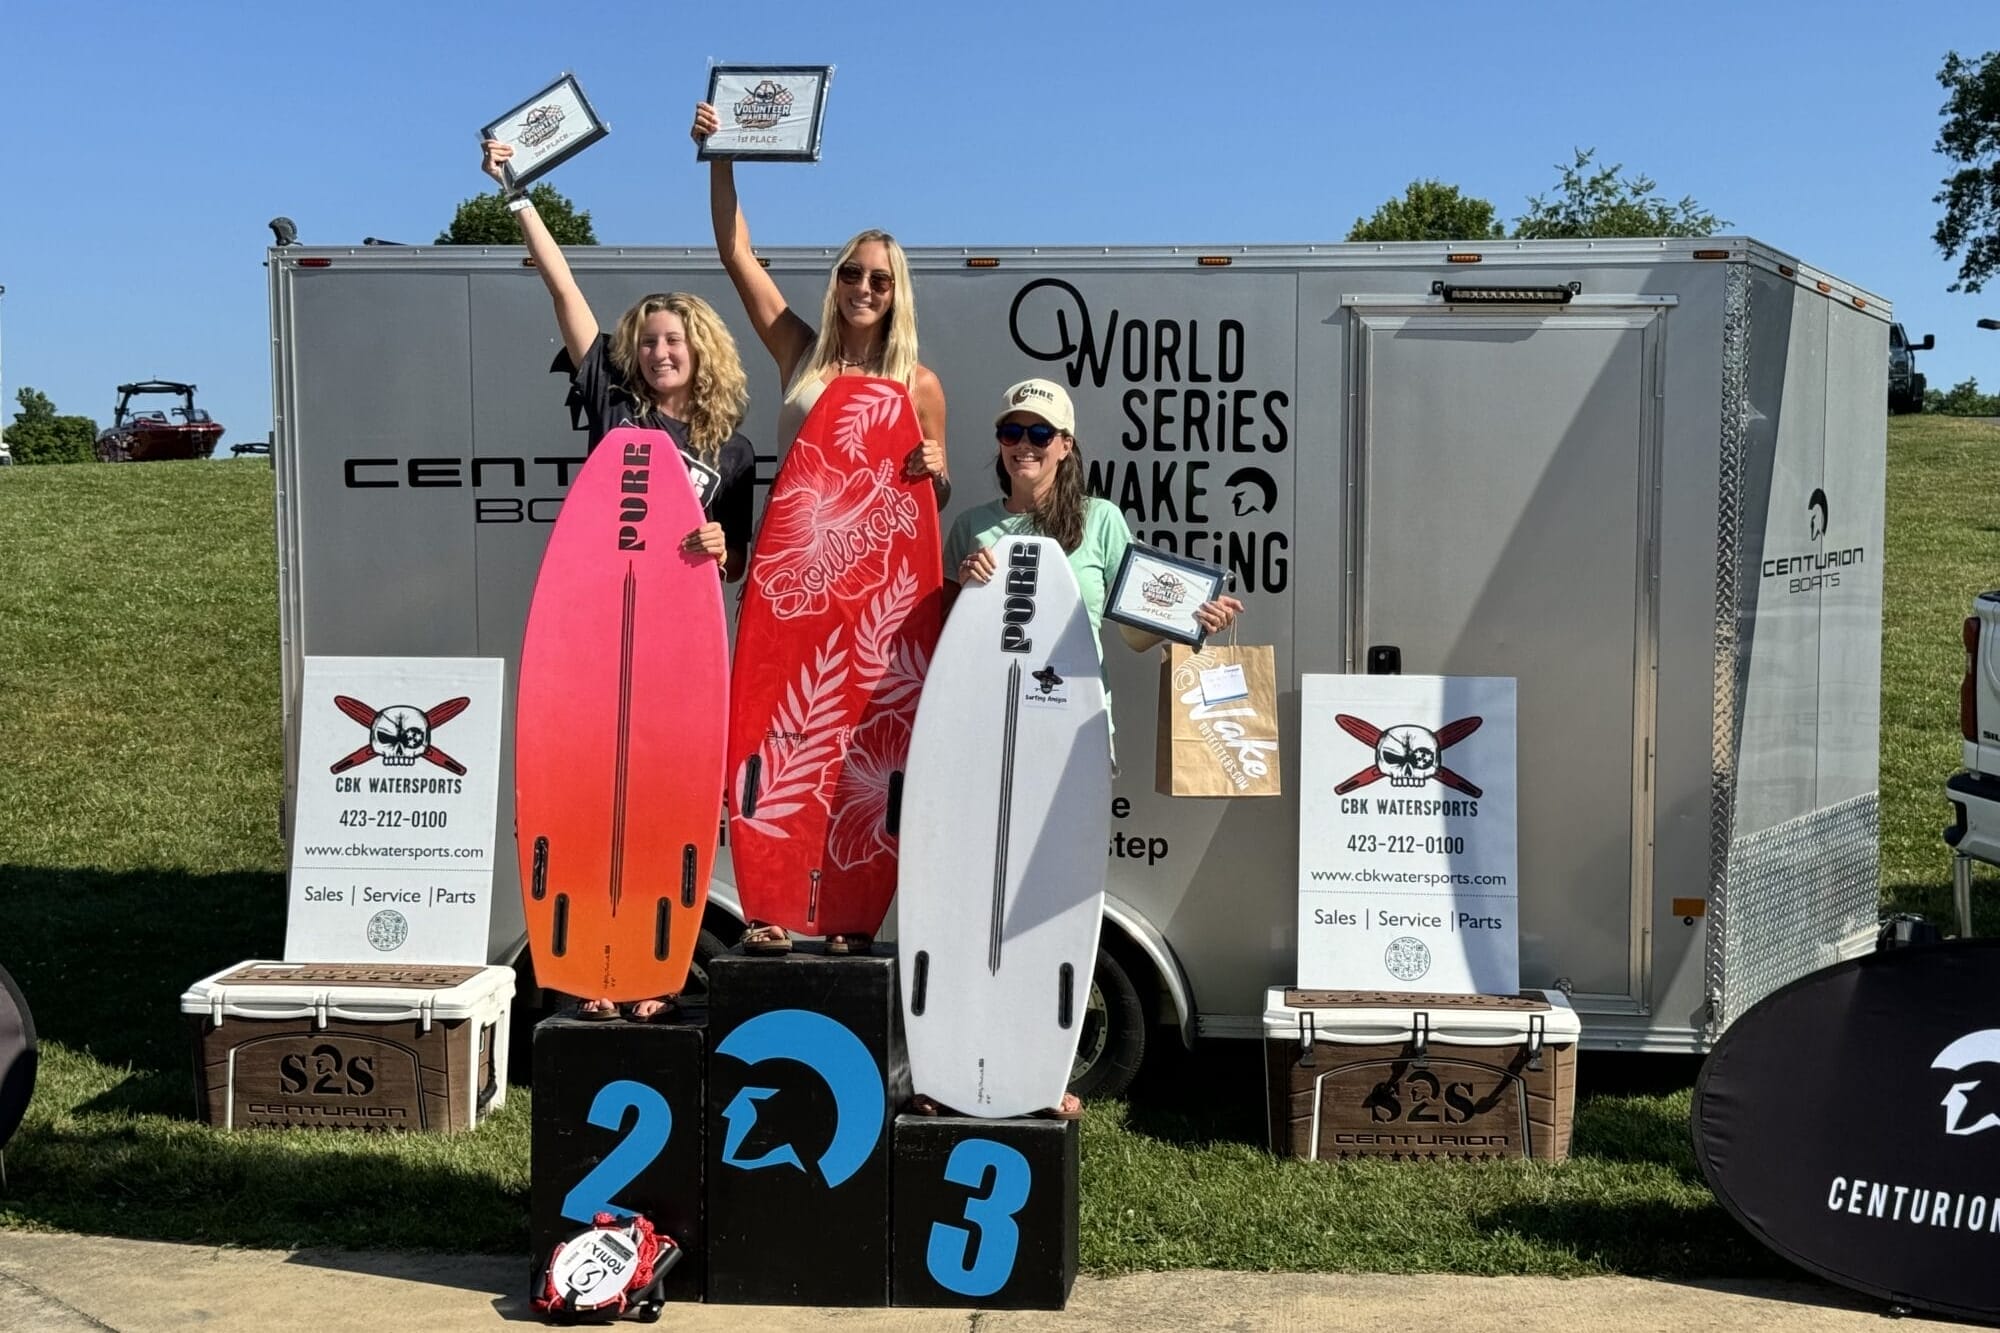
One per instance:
(1851, 1121)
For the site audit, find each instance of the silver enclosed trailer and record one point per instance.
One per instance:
(1645, 478)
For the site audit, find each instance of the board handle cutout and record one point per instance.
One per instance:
(1065, 997)
(753, 768)
(539, 880)
(920, 977)
(559, 932)
(892, 813)
(687, 878)
(663, 926)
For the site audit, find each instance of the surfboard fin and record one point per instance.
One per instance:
(1066, 997)
(539, 883)
(892, 813)
(753, 767)
(559, 934)
(920, 977)
(663, 926)
(687, 877)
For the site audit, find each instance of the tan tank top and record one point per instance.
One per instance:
(792, 412)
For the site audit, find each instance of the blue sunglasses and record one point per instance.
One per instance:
(1040, 435)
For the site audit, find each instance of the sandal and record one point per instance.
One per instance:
(850, 942)
(667, 1006)
(765, 940)
(1070, 1108)
(596, 1011)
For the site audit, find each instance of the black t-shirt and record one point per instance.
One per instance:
(726, 487)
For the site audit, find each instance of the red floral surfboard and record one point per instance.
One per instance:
(840, 615)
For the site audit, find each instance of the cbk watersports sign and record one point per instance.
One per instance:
(1407, 834)
(1851, 1121)
(392, 846)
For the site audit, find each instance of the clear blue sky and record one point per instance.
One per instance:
(150, 143)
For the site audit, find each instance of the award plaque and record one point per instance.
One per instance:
(1160, 593)
(769, 113)
(546, 131)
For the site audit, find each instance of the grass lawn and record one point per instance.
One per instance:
(139, 851)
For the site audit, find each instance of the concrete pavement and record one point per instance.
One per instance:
(53, 1283)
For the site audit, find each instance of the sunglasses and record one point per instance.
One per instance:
(1040, 435)
(878, 282)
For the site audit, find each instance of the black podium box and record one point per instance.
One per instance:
(618, 1127)
(805, 1066)
(986, 1211)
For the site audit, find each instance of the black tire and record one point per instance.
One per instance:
(1113, 1042)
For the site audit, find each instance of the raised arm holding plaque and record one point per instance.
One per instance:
(770, 113)
(546, 131)
(1160, 593)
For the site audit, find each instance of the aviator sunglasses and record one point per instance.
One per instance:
(878, 281)
(1040, 435)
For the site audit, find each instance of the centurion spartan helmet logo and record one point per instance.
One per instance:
(401, 734)
(1816, 513)
(1971, 1105)
(836, 1055)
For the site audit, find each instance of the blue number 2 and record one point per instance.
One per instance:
(978, 1263)
(634, 1153)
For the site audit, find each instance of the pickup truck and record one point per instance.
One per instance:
(1906, 386)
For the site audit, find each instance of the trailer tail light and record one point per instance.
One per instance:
(1786, 271)
(1859, 304)
(1711, 254)
(1455, 294)
(1213, 261)
(982, 261)
(1968, 705)
(315, 263)
(1463, 257)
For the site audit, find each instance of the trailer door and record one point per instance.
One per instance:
(1502, 526)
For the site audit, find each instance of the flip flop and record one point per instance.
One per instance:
(852, 942)
(590, 1015)
(765, 940)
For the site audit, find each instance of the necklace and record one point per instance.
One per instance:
(845, 362)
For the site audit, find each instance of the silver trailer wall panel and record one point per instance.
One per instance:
(1645, 478)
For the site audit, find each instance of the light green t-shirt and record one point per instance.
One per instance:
(1094, 561)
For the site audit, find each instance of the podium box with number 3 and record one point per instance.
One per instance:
(986, 1212)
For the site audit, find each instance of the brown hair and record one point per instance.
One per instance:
(1060, 513)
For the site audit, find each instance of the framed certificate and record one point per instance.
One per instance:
(769, 113)
(1159, 592)
(546, 131)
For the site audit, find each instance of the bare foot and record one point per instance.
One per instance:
(597, 1010)
(645, 1011)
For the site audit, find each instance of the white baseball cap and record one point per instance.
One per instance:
(1045, 399)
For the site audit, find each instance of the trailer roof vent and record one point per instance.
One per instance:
(1458, 294)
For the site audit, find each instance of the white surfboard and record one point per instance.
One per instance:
(1005, 817)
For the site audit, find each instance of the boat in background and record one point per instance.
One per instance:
(136, 436)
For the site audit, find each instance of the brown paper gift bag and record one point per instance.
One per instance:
(1225, 748)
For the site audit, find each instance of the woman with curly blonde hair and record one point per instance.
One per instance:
(671, 365)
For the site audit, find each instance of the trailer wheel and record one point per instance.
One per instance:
(1113, 1042)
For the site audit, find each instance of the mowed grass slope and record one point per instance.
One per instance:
(139, 851)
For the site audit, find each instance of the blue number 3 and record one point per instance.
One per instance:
(634, 1153)
(979, 1262)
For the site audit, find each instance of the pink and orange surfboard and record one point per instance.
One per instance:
(836, 630)
(620, 728)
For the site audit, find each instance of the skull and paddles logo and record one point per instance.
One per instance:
(1406, 754)
(401, 734)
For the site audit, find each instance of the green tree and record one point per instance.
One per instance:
(1600, 202)
(1962, 400)
(484, 220)
(38, 435)
(1970, 228)
(1429, 210)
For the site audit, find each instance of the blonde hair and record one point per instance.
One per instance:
(719, 393)
(898, 358)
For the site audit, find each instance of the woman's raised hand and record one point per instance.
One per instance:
(495, 153)
(706, 122)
